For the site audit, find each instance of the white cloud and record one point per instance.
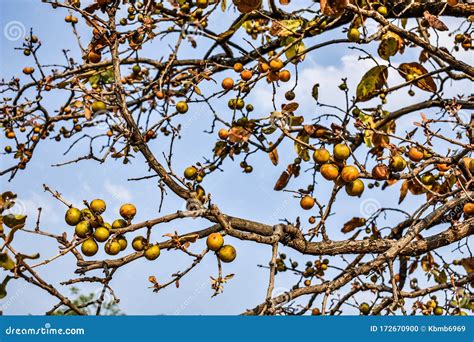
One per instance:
(117, 191)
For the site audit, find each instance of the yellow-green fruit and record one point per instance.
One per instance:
(152, 252)
(398, 163)
(128, 211)
(98, 106)
(112, 247)
(181, 107)
(329, 171)
(349, 173)
(97, 206)
(119, 223)
(89, 247)
(227, 253)
(382, 10)
(201, 3)
(471, 166)
(83, 229)
(214, 241)
(139, 243)
(107, 225)
(321, 156)
(190, 172)
(73, 216)
(101, 234)
(364, 308)
(428, 179)
(122, 241)
(356, 188)
(438, 311)
(353, 35)
(96, 221)
(341, 152)
(87, 214)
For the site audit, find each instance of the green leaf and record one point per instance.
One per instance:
(389, 45)
(6, 262)
(372, 83)
(3, 287)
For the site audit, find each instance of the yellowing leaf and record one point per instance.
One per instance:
(413, 70)
(372, 83)
(273, 155)
(352, 224)
(295, 50)
(300, 148)
(389, 45)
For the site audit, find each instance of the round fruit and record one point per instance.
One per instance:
(276, 64)
(89, 247)
(307, 202)
(353, 35)
(356, 188)
(382, 10)
(152, 252)
(139, 243)
(73, 216)
(246, 75)
(122, 241)
(428, 179)
(101, 234)
(329, 171)
(128, 211)
(94, 57)
(415, 154)
(201, 3)
(364, 308)
(443, 167)
(97, 206)
(349, 173)
(28, 70)
(190, 172)
(83, 229)
(98, 106)
(223, 133)
(214, 241)
(398, 163)
(227, 253)
(380, 172)
(238, 67)
(468, 209)
(341, 152)
(112, 247)
(284, 75)
(182, 107)
(228, 83)
(321, 155)
(119, 223)
(87, 214)
(96, 221)
(315, 312)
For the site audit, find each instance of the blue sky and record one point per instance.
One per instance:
(250, 196)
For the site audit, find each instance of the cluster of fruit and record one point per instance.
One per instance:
(226, 253)
(90, 225)
(334, 168)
